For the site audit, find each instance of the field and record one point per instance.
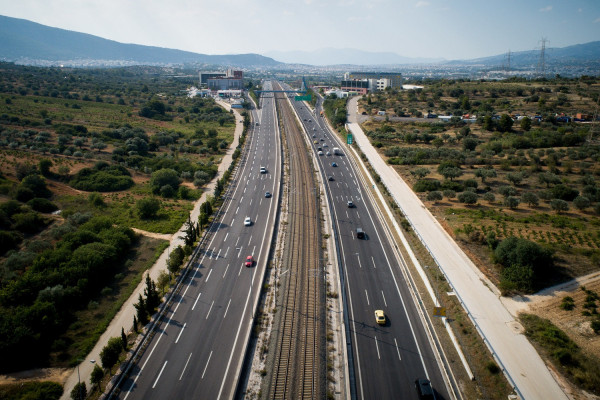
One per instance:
(85, 155)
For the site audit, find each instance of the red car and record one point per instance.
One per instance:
(249, 261)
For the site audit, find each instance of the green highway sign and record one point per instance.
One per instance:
(303, 98)
(349, 138)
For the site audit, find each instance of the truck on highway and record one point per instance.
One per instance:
(337, 151)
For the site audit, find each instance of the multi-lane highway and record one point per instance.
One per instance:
(199, 345)
(388, 358)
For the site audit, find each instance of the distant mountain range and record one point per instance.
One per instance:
(579, 53)
(26, 42)
(332, 56)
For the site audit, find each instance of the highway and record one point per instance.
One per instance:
(388, 358)
(199, 345)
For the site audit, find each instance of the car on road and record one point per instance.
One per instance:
(322, 140)
(268, 194)
(314, 135)
(247, 221)
(328, 153)
(249, 261)
(257, 124)
(320, 153)
(350, 204)
(315, 142)
(424, 389)
(334, 164)
(330, 178)
(263, 170)
(380, 317)
(314, 129)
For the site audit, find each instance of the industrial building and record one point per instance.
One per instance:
(230, 80)
(363, 82)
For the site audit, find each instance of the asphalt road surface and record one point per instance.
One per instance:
(199, 346)
(387, 358)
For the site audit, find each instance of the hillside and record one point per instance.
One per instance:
(27, 42)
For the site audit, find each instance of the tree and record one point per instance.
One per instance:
(505, 124)
(97, 375)
(548, 178)
(191, 232)
(564, 192)
(526, 124)
(530, 198)
(110, 353)
(484, 173)
(123, 339)
(434, 196)
(45, 166)
(515, 178)
(205, 213)
(467, 198)
(37, 184)
(559, 205)
(175, 259)
(420, 172)
(451, 172)
(142, 310)
(148, 207)
(470, 144)
(164, 177)
(488, 123)
(507, 191)
(163, 281)
(489, 197)
(582, 202)
(152, 296)
(511, 202)
(79, 391)
(96, 200)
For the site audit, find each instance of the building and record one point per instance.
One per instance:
(371, 81)
(205, 76)
(355, 85)
(230, 80)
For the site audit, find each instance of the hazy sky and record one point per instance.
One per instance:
(452, 29)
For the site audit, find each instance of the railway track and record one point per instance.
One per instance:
(299, 365)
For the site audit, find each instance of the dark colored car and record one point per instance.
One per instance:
(424, 389)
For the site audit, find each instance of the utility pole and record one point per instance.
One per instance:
(541, 67)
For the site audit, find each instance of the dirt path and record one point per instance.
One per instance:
(164, 236)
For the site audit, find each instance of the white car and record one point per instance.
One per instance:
(320, 153)
(247, 221)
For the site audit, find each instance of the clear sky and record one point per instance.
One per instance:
(451, 29)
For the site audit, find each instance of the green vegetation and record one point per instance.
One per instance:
(87, 143)
(102, 178)
(580, 367)
(505, 174)
(335, 109)
(31, 391)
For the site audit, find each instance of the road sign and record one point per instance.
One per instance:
(303, 98)
(349, 138)
(439, 311)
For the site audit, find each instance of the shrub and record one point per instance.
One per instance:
(582, 202)
(559, 205)
(42, 205)
(467, 198)
(434, 196)
(564, 192)
(102, 178)
(9, 240)
(426, 185)
(147, 207)
(165, 177)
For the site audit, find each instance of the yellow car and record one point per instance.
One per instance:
(380, 317)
